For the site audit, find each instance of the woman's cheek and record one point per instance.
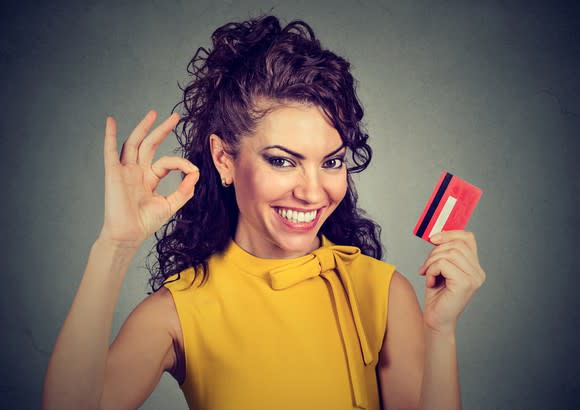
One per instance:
(278, 183)
(337, 186)
(268, 183)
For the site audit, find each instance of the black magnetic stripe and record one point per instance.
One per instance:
(434, 204)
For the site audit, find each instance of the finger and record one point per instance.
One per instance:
(111, 155)
(183, 193)
(164, 166)
(129, 151)
(448, 271)
(149, 145)
(457, 258)
(452, 274)
(461, 246)
(446, 236)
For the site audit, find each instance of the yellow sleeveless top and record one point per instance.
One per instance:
(300, 333)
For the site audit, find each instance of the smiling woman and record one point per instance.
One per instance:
(263, 85)
(289, 177)
(269, 291)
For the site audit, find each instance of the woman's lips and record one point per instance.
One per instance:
(299, 226)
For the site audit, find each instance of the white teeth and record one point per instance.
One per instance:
(295, 216)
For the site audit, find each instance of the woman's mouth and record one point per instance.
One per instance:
(301, 220)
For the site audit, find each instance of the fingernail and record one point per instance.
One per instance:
(435, 238)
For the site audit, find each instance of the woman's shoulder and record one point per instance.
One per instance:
(164, 306)
(164, 303)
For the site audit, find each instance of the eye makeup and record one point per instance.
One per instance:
(339, 159)
(277, 161)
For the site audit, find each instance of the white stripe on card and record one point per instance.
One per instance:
(444, 215)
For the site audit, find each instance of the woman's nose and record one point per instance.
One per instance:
(309, 188)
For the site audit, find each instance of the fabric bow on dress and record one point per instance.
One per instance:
(329, 262)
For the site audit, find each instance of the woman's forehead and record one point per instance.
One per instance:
(297, 125)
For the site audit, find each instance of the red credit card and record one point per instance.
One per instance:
(449, 206)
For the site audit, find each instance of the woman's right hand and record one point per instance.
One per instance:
(133, 210)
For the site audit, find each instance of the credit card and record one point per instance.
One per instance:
(449, 207)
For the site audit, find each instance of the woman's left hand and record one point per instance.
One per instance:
(454, 257)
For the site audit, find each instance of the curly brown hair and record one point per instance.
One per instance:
(253, 60)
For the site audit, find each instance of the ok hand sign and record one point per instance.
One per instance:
(133, 210)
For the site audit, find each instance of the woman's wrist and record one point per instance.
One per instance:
(109, 258)
(445, 332)
(104, 240)
(119, 254)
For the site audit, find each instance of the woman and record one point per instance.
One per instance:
(269, 291)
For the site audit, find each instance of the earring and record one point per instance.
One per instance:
(224, 183)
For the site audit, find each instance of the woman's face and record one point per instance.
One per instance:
(289, 177)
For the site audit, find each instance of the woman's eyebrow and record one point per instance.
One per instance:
(300, 156)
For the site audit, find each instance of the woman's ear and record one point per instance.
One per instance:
(222, 160)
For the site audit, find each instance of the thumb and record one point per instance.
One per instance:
(183, 193)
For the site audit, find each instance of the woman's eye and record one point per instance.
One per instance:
(334, 163)
(278, 162)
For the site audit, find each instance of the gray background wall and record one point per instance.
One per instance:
(487, 90)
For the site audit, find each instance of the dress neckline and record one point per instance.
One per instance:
(258, 266)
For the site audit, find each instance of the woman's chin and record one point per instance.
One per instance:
(298, 245)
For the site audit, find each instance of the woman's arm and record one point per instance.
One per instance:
(421, 345)
(74, 378)
(82, 370)
(440, 385)
(76, 369)
(417, 367)
(402, 355)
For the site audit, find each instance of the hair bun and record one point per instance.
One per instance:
(234, 40)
